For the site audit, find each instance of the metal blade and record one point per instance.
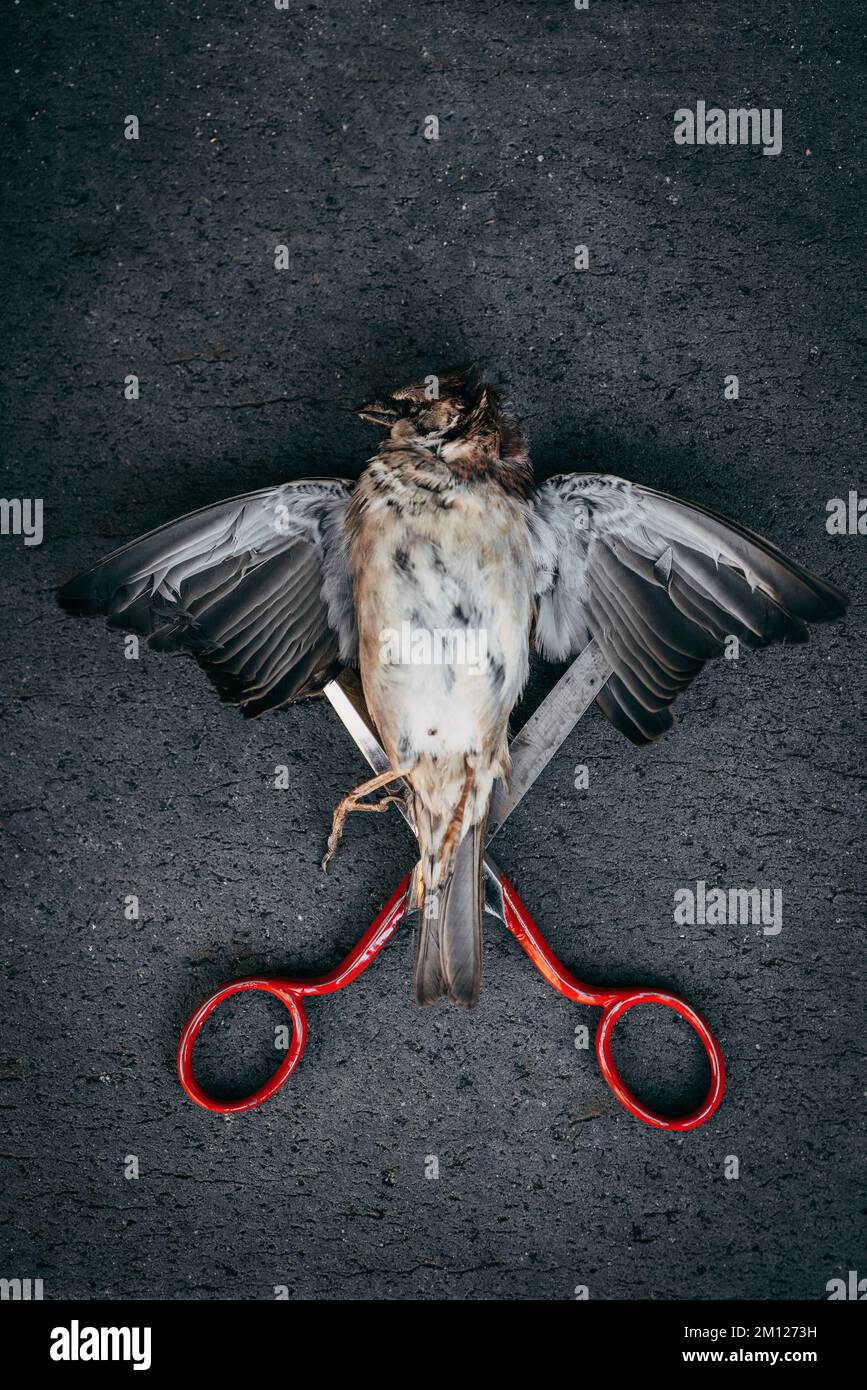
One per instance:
(346, 699)
(534, 747)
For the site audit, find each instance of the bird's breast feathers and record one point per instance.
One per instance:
(444, 602)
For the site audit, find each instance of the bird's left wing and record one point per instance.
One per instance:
(256, 588)
(660, 584)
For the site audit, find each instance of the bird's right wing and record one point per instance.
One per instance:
(660, 584)
(257, 588)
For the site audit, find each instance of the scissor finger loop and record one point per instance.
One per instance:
(289, 995)
(614, 1004)
(614, 1010)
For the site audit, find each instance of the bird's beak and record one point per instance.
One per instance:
(377, 414)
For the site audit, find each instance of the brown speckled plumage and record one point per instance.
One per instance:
(439, 540)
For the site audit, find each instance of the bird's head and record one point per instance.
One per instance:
(454, 411)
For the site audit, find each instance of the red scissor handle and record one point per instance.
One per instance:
(290, 993)
(614, 1003)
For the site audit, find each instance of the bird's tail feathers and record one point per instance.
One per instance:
(449, 954)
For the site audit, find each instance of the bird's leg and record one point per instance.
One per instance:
(454, 826)
(352, 802)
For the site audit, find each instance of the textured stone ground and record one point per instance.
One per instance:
(261, 127)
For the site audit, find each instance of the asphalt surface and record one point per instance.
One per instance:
(156, 257)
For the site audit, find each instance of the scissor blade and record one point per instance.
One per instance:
(347, 701)
(533, 748)
(355, 722)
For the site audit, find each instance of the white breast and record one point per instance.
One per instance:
(445, 603)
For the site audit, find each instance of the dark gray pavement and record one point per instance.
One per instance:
(155, 257)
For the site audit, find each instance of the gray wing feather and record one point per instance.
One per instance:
(661, 584)
(257, 588)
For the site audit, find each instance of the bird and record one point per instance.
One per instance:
(435, 575)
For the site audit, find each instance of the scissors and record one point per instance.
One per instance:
(531, 750)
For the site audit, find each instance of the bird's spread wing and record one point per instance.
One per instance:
(660, 584)
(256, 588)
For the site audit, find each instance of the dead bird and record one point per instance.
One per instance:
(434, 574)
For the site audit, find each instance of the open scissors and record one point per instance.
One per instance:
(531, 750)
